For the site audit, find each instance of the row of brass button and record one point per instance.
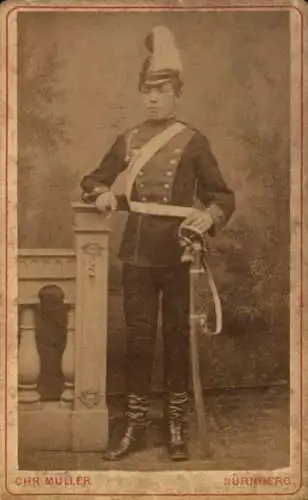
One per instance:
(169, 173)
(164, 199)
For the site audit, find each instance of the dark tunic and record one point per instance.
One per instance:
(183, 170)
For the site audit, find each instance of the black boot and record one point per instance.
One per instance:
(176, 414)
(134, 434)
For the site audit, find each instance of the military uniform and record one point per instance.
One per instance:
(183, 170)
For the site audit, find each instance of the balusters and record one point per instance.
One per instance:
(28, 361)
(68, 361)
(51, 340)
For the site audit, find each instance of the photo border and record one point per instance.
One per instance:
(10, 140)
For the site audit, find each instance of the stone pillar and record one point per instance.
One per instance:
(68, 361)
(90, 414)
(28, 359)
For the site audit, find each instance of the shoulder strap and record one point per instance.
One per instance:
(147, 151)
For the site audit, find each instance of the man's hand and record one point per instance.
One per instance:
(198, 222)
(106, 202)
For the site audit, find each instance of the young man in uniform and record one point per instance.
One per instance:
(168, 165)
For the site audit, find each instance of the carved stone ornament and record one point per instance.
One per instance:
(90, 398)
(92, 249)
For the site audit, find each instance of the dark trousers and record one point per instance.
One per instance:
(144, 288)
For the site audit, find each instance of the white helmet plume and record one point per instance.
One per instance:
(165, 55)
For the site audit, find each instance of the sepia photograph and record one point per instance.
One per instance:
(157, 263)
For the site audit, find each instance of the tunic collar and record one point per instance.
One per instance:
(165, 122)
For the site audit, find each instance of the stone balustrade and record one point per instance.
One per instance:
(79, 420)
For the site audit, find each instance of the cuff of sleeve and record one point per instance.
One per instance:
(100, 190)
(218, 218)
(91, 197)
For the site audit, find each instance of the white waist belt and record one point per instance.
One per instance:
(157, 209)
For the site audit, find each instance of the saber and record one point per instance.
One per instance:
(194, 253)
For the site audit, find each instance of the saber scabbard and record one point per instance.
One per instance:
(194, 254)
(194, 272)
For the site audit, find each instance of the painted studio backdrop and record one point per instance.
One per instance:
(78, 88)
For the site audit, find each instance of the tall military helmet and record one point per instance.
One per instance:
(163, 64)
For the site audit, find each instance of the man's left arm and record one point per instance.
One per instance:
(211, 189)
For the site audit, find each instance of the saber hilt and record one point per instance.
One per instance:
(195, 250)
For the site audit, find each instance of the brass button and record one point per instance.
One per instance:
(169, 173)
(165, 199)
(144, 198)
(172, 161)
(166, 186)
(177, 150)
(142, 185)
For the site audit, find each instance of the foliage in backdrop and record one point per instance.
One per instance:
(75, 96)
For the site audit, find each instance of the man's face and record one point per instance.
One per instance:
(160, 100)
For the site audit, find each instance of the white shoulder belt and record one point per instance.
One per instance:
(142, 157)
